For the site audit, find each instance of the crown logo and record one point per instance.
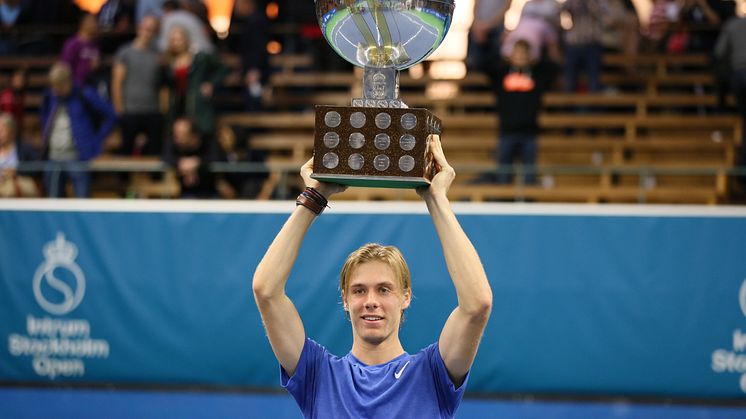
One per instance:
(379, 78)
(60, 250)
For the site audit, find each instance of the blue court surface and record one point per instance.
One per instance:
(20, 403)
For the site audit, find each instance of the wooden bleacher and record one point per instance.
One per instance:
(654, 138)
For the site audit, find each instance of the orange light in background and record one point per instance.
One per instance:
(90, 6)
(219, 12)
(274, 47)
(272, 10)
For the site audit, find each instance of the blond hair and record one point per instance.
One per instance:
(370, 252)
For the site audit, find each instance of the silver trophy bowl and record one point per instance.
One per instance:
(384, 33)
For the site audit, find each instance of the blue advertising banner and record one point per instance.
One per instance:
(587, 300)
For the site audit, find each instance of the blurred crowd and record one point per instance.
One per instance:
(569, 38)
(167, 67)
(157, 91)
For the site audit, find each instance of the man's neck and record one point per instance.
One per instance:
(376, 354)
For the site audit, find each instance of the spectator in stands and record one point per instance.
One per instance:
(583, 46)
(522, 80)
(726, 10)
(229, 185)
(11, 183)
(664, 15)
(9, 157)
(189, 155)
(75, 122)
(238, 184)
(173, 16)
(486, 32)
(254, 36)
(731, 49)
(12, 102)
(12, 98)
(192, 79)
(81, 52)
(623, 31)
(135, 79)
(694, 16)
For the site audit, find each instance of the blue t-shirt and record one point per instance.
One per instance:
(408, 386)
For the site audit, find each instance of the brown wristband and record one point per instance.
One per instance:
(313, 200)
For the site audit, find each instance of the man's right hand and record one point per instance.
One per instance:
(324, 188)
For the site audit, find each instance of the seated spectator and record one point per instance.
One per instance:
(229, 185)
(135, 79)
(11, 184)
(9, 157)
(238, 184)
(12, 97)
(192, 79)
(81, 51)
(12, 102)
(190, 156)
(521, 83)
(75, 122)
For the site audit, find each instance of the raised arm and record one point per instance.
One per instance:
(281, 319)
(462, 331)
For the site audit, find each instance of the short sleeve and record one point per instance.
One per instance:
(121, 55)
(449, 397)
(302, 384)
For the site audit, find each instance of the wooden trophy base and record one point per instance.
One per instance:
(373, 147)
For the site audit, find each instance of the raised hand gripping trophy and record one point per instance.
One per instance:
(378, 141)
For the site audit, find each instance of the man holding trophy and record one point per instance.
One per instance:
(377, 378)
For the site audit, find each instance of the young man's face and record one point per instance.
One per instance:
(375, 299)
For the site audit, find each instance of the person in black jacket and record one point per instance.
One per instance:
(190, 156)
(519, 85)
(254, 36)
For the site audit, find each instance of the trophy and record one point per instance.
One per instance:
(378, 141)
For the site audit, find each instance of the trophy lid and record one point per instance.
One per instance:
(384, 33)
